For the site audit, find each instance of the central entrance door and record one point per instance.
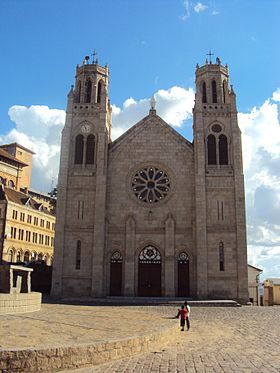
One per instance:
(149, 272)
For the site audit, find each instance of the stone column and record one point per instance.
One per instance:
(169, 256)
(97, 286)
(200, 209)
(241, 244)
(59, 246)
(130, 247)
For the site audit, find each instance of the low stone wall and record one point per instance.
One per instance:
(52, 359)
(19, 303)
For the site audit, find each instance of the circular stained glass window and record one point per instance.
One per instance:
(150, 184)
(150, 255)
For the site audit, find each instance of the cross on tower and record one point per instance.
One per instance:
(210, 54)
(94, 54)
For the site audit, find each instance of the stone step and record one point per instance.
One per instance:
(150, 301)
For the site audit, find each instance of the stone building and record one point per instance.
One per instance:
(15, 166)
(27, 221)
(26, 228)
(151, 214)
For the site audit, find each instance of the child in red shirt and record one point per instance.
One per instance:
(183, 316)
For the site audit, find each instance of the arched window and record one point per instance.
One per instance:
(1, 180)
(40, 257)
(78, 92)
(211, 149)
(33, 257)
(18, 256)
(78, 254)
(204, 96)
(45, 259)
(11, 256)
(88, 91)
(223, 150)
(79, 149)
(221, 256)
(224, 91)
(99, 91)
(90, 149)
(26, 257)
(11, 184)
(214, 91)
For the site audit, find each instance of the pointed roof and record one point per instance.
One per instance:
(139, 126)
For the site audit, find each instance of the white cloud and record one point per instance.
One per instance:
(276, 95)
(173, 105)
(199, 7)
(186, 14)
(215, 13)
(261, 156)
(38, 128)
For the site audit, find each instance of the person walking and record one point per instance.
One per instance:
(183, 316)
(188, 309)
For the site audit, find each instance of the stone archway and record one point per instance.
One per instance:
(149, 272)
(183, 275)
(116, 274)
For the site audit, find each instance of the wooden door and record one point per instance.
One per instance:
(116, 279)
(149, 280)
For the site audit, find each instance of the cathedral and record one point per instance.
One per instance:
(151, 214)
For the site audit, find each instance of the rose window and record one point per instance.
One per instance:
(150, 184)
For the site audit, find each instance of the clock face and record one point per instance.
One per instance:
(85, 128)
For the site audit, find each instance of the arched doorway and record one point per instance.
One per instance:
(116, 274)
(183, 275)
(149, 272)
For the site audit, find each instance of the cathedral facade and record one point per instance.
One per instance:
(151, 214)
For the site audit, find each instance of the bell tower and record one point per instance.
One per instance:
(220, 226)
(81, 204)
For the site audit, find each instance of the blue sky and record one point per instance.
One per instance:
(147, 44)
(152, 47)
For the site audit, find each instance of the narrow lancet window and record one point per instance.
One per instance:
(78, 255)
(223, 150)
(79, 149)
(99, 90)
(204, 96)
(90, 149)
(211, 149)
(78, 92)
(214, 91)
(221, 256)
(88, 91)
(224, 91)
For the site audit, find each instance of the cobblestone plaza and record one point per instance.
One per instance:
(221, 339)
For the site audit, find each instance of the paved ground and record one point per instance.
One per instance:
(60, 325)
(240, 340)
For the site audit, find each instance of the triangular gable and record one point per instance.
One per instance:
(139, 126)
